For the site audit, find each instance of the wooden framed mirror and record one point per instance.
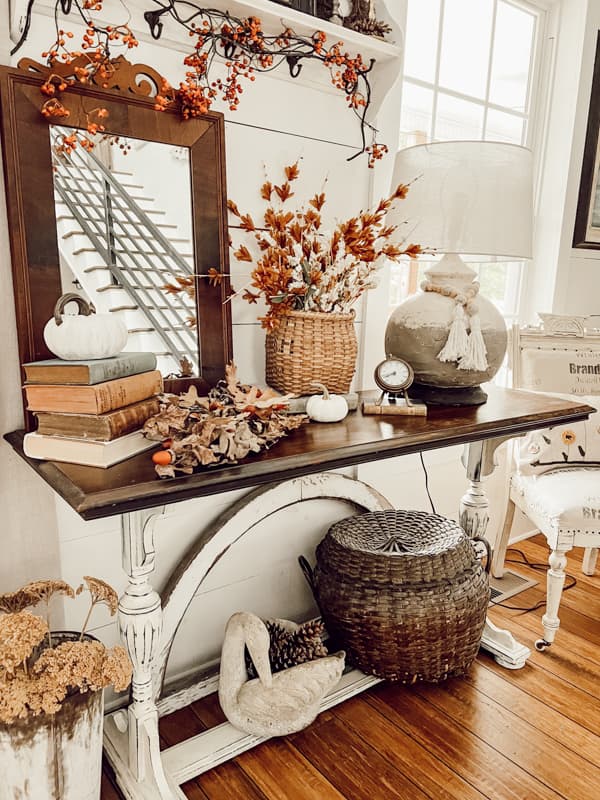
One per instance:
(127, 245)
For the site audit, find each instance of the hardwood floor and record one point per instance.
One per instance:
(530, 734)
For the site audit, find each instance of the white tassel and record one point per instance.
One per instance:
(476, 355)
(458, 340)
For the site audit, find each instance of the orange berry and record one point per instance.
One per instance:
(162, 458)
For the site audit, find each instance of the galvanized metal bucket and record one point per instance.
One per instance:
(54, 756)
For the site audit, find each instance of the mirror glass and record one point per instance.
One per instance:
(125, 239)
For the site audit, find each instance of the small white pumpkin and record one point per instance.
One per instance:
(83, 336)
(326, 407)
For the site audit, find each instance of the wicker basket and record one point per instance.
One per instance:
(404, 593)
(309, 346)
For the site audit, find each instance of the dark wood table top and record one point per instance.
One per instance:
(131, 485)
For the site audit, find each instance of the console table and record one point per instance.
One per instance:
(295, 469)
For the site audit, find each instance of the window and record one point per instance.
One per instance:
(469, 73)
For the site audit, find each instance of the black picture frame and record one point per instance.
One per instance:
(586, 233)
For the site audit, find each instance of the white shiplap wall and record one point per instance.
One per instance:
(279, 121)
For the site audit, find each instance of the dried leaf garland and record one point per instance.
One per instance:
(232, 422)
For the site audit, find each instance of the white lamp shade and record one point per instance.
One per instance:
(469, 197)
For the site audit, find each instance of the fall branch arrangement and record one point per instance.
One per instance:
(301, 266)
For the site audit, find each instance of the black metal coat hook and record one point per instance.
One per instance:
(294, 64)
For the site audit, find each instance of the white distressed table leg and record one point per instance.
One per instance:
(478, 459)
(139, 771)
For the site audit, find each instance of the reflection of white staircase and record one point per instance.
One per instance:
(121, 267)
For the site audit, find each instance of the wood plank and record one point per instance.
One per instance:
(283, 773)
(192, 791)
(571, 701)
(560, 659)
(566, 773)
(571, 656)
(403, 752)
(107, 788)
(492, 773)
(352, 765)
(584, 597)
(536, 711)
(133, 485)
(573, 615)
(177, 727)
(228, 780)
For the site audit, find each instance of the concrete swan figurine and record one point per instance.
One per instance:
(270, 705)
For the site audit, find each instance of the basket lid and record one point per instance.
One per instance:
(398, 533)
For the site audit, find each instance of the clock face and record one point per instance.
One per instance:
(393, 375)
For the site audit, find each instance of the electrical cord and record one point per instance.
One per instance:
(570, 581)
(427, 482)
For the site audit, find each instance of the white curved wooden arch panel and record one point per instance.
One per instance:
(236, 522)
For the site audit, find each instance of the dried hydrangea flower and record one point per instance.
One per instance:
(14, 696)
(44, 590)
(13, 602)
(76, 664)
(100, 592)
(19, 634)
(117, 668)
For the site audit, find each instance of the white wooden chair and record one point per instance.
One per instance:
(556, 481)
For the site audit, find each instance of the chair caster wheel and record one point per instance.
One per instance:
(541, 645)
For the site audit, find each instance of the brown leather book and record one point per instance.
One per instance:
(96, 399)
(101, 427)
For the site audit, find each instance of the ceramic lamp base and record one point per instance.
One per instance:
(441, 396)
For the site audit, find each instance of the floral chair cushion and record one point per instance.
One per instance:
(576, 444)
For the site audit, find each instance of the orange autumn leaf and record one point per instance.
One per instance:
(401, 192)
(233, 208)
(215, 278)
(413, 250)
(242, 253)
(247, 223)
(266, 190)
(284, 192)
(292, 172)
(250, 297)
(318, 201)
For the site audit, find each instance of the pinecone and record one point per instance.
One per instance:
(290, 648)
(370, 27)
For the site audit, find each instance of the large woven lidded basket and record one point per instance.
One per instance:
(308, 346)
(404, 593)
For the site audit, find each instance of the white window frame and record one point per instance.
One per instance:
(535, 113)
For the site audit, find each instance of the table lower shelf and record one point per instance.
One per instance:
(207, 750)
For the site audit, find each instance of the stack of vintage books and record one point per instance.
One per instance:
(91, 412)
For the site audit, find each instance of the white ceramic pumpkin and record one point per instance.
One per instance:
(326, 407)
(83, 336)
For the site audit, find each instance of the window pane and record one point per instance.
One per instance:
(466, 38)
(500, 283)
(457, 119)
(501, 127)
(513, 41)
(422, 27)
(415, 115)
